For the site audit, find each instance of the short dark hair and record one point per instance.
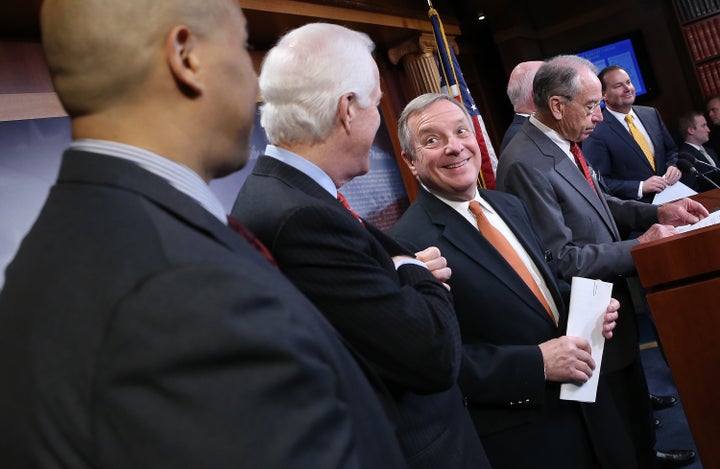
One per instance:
(605, 71)
(687, 121)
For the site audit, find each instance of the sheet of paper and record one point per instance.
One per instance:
(711, 219)
(674, 192)
(588, 302)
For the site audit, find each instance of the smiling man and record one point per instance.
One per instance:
(512, 314)
(583, 227)
(632, 149)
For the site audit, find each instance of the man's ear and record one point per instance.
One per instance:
(182, 55)
(409, 162)
(346, 110)
(556, 105)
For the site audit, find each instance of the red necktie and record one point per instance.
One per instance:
(582, 164)
(240, 229)
(345, 203)
(502, 246)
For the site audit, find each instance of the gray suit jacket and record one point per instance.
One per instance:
(136, 330)
(582, 230)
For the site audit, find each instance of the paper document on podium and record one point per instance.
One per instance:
(675, 192)
(711, 219)
(589, 300)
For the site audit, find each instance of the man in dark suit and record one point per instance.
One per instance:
(136, 329)
(631, 148)
(582, 226)
(385, 302)
(520, 93)
(694, 129)
(515, 353)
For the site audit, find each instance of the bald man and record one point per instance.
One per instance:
(520, 92)
(137, 330)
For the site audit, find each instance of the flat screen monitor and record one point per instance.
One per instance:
(627, 51)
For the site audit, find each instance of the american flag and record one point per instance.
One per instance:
(453, 83)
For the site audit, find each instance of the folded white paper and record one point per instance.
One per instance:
(670, 193)
(589, 300)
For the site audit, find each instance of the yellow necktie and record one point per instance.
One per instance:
(638, 136)
(511, 256)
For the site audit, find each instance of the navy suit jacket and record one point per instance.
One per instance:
(698, 183)
(518, 414)
(515, 125)
(400, 320)
(136, 330)
(613, 153)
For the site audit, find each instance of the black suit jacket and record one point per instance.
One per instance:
(518, 414)
(515, 125)
(613, 152)
(401, 320)
(699, 183)
(136, 330)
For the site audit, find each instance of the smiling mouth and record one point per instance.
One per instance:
(457, 165)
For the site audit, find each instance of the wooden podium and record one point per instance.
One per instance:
(682, 278)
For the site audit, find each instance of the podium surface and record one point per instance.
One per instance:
(682, 277)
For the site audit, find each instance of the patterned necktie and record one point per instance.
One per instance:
(638, 136)
(345, 203)
(240, 229)
(511, 256)
(581, 163)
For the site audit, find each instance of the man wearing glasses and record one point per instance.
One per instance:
(583, 227)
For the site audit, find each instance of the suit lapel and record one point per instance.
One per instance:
(467, 239)
(271, 167)
(623, 134)
(573, 176)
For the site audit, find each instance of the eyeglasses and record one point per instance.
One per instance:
(589, 107)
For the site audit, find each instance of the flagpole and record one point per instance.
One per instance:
(429, 4)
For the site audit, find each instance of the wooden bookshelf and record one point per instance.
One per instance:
(700, 22)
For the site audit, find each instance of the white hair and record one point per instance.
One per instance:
(304, 76)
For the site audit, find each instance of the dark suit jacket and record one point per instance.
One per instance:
(401, 320)
(136, 330)
(515, 125)
(698, 183)
(612, 152)
(518, 414)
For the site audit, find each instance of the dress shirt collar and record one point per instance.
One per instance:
(621, 117)
(555, 137)
(304, 166)
(177, 175)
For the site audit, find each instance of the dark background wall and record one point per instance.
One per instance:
(513, 31)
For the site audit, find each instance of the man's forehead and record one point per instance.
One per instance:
(433, 115)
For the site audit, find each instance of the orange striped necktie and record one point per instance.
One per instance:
(511, 256)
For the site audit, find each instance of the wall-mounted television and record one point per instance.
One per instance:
(628, 51)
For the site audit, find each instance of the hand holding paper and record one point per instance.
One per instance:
(589, 300)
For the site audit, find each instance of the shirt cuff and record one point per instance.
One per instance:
(403, 262)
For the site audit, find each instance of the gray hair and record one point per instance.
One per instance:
(559, 76)
(416, 106)
(304, 76)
